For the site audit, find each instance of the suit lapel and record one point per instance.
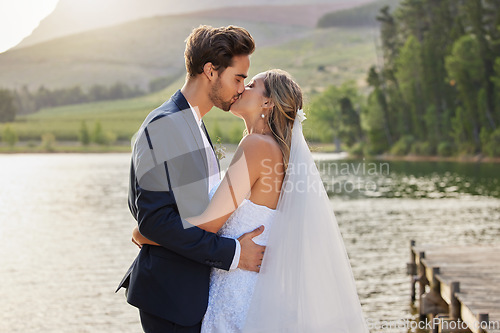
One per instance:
(210, 141)
(183, 105)
(208, 136)
(187, 114)
(195, 130)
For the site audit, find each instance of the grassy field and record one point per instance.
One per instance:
(316, 59)
(322, 57)
(121, 117)
(133, 53)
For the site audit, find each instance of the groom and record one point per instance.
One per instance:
(172, 171)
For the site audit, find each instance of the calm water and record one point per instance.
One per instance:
(65, 233)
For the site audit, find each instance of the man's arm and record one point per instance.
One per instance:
(160, 222)
(155, 207)
(200, 245)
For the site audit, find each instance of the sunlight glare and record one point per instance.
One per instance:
(18, 19)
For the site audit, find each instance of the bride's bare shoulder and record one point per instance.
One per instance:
(258, 147)
(261, 146)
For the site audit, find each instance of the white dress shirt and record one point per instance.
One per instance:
(214, 175)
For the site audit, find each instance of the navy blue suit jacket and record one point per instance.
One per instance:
(171, 281)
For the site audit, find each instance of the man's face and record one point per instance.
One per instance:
(229, 85)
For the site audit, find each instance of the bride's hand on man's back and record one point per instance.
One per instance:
(251, 253)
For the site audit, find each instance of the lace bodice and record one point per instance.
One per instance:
(231, 291)
(247, 217)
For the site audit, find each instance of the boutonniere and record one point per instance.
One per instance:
(220, 150)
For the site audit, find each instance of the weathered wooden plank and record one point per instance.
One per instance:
(470, 318)
(467, 278)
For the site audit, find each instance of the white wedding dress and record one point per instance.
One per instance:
(231, 291)
(305, 282)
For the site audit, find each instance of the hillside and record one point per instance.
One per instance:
(74, 16)
(133, 52)
(142, 50)
(364, 15)
(321, 57)
(301, 15)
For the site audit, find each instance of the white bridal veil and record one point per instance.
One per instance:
(305, 283)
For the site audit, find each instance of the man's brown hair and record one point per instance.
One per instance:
(216, 45)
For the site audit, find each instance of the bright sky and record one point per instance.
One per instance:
(18, 18)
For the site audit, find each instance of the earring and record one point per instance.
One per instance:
(262, 116)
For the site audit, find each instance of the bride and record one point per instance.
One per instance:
(305, 282)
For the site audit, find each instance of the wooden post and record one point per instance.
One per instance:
(421, 285)
(483, 319)
(412, 271)
(435, 286)
(454, 303)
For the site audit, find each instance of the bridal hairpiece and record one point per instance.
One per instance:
(301, 115)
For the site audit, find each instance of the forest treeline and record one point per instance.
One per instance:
(437, 90)
(25, 101)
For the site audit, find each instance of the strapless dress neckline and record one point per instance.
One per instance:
(257, 205)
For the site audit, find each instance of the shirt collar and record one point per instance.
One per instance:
(195, 114)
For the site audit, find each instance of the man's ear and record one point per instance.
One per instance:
(209, 71)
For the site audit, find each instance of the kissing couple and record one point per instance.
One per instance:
(259, 250)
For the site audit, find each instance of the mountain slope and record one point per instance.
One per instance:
(302, 15)
(133, 52)
(138, 51)
(74, 16)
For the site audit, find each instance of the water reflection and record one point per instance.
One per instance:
(65, 234)
(401, 179)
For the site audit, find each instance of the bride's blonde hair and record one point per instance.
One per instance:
(287, 98)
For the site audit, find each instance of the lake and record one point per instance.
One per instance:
(65, 233)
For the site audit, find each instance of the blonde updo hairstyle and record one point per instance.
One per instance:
(287, 98)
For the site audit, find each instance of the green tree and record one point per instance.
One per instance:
(465, 67)
(374, 125)
(24, 101)
(409, 75)
(9, 136)
(491, 142)
(323, 113)
(351, 132)
(438, 95)
(496, 81)
(7, 107)
(475, 14)
(438, 88)
(389, 36)
(98, 134)
(98, 92)
(48, 141)
(84, 134)
(381, 109)
(109, 138)
(335, 114)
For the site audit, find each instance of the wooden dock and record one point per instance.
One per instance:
(459, 286)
